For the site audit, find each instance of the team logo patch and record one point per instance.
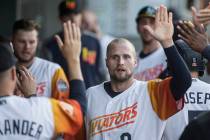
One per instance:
(41, 88)
(62, 86)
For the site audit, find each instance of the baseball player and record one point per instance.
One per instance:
(197, 38)
(40, 118)
(50, 77)
(197, 97)
(128, 109)
(152, 59)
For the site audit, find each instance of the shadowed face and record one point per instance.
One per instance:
(145, 35)
(75, 18)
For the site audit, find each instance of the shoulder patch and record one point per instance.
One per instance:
(62, 86)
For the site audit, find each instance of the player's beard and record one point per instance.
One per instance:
(25, 60)
(121, 79)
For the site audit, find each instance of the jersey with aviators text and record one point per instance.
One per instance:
(50, 79)
(137, 113)
(37, 118)
(197, 100)
(151, 66)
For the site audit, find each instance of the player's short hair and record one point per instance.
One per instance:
(147, 11)
(117, 41)
(67, 7)
(25, 24)
(7, 58)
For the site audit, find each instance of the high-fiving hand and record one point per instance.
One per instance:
(70, 47)
(197, 40)
(163, 30)
(201, 16)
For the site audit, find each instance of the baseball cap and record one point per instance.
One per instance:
(7, 58)
(67, 7)
(147, 11)
(193, 59)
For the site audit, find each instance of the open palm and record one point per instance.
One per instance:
(163, 29)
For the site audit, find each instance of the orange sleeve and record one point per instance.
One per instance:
(81, 135)
(60, 85)
(68, 116)
(162, 99)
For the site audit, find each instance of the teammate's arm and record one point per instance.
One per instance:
(71, 49)
(163, 32)
(196, 38)
(201, 16)
(165, 95)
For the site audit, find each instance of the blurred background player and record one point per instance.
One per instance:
(152, 59)
(197, 39)
(90, 55)
(91, 26)
(50, 77)
(197, 97)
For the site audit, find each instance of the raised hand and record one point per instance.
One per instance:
(70, 47)
(197, 40)
(201, 16)
(163, 30)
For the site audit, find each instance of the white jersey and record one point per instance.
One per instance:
(37, 118)
(50, 79)
(197, 100)
(138, 113)
(151, 66)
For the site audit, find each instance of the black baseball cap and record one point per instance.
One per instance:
(67, 7)
(7, 58)
(147, 11)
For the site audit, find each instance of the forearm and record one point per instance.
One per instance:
(77, 92)
(74, 70)
(206, 53)
(181, 78)
(77, 86)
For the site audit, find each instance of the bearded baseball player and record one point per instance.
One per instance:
(34, 118)
(128, 109)
(50, 78)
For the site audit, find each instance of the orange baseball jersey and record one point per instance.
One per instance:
(50, 79)
(38, 118)
(138, 113)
